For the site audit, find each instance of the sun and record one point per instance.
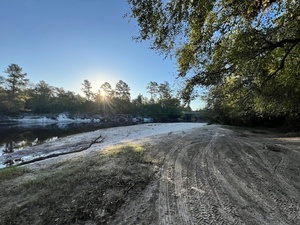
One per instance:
(99, 77)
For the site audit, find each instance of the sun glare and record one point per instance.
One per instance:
(99, 78)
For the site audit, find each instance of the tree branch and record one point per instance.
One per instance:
(11, 162)
(282, 63)
(273, 45)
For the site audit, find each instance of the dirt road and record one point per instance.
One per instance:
(214, 175)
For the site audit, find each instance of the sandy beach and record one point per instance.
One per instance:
(74, 143)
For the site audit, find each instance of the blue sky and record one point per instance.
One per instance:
(64, 42)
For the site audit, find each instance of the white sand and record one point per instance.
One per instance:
(112, 136)
(138, 132)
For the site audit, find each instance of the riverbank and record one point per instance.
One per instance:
(192, 175)
(80, 142)
(65, 118)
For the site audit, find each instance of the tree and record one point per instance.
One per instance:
(164, 91)
(122, 91)
(107, 90)
(2, 81)
(104, 98)
(3, 95)
(16, 79)
(41, 97)
(16, 83)
(249, 46)
(44, 90)
(139, 105)
(198, 31)
(152, 89)
(138, 101)
(87, 90)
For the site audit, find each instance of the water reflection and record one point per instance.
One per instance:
(16, 137)
(13, 146)
(8, 147)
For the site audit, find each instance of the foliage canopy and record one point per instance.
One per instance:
(245, 52)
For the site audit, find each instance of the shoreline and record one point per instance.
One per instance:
(73, 143)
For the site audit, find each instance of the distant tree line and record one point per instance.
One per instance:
(18, 95)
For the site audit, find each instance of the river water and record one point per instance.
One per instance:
(14, 137)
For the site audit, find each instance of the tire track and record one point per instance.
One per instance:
(182, 186)
(225, 210)
(277, 171)
(282, 198)
(250, 181)
(218, 177)
(202, 195)
(168, 214)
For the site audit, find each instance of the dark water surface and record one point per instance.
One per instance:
(14, 137)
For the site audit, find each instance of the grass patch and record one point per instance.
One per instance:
(89, 189)
(12, 172)
(131, 152)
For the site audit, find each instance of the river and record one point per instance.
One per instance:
(14, 137)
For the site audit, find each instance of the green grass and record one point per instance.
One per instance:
(89, 189)
(12, 172)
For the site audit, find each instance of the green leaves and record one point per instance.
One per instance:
(87, 89)
(122, 91)
(247, 52)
